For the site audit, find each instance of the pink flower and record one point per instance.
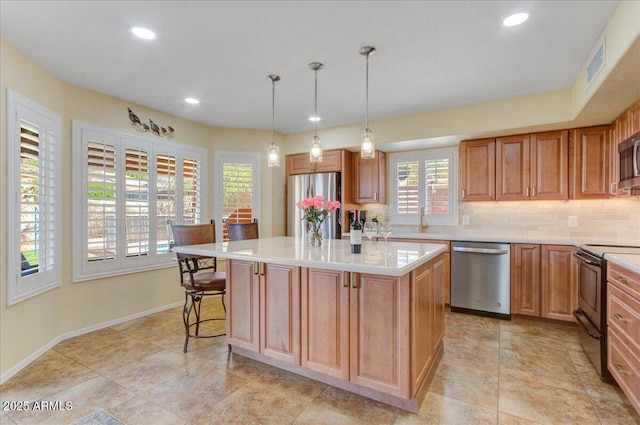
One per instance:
(318, 202)
(333, 205)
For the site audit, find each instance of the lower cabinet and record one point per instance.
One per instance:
(263, 312)
(623, 321)
(544, 281)
(379, 332)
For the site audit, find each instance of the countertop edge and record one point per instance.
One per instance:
(629, 261)
(320, 264)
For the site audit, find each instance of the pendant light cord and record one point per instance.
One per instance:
(367, 95)
(273, 109)
(315, 107)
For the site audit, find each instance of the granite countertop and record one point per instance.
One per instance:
(629, 261)
(390, 259)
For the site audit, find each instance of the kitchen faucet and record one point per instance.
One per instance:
(423, 225)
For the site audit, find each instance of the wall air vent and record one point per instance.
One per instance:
(597, 63)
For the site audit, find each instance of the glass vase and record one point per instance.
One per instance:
(315, 234)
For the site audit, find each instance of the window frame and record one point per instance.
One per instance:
(421, 156)
(222, 157)
(123, 264)
(21, 287)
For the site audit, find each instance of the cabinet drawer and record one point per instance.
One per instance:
(624, 365)
(624, 315)
(624, 279)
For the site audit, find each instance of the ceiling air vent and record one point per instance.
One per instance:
(596, 64)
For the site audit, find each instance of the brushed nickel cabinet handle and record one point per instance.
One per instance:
(613, 188)
(621, 279)
(526, 191)
(620, 368)
(345, 281)
(533, 191)
(263, 269)
(256, 268)
(528, 246)
(353, 281)
(375, 196)
(464, 193)
(620, 317)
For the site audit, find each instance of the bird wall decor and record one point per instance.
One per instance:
(151, 127)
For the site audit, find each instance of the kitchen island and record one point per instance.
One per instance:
(369, 323)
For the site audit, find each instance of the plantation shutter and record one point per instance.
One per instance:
(191, 191)
(101, 201)
(407, 176)
(166, 197)
(36, 201)
(137, 202)
(237, 201)
(437, 187)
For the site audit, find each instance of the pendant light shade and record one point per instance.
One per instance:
(315, 154)
(273, 153)
(367, 145)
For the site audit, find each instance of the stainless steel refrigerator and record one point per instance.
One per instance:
(304, 186)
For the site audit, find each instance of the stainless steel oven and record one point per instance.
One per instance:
(591, 313)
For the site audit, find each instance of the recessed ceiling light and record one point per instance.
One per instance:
(192, 100)
(314, 118)
(145, 33)
(515, 19)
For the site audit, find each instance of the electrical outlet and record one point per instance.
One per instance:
(573, 221)
(465, 220)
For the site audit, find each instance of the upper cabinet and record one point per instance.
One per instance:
(634, 118)
(529, 166)
(477, 170)
(590, 174)
(300, 163)
(532, 166)
(370, 179)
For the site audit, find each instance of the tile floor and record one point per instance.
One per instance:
(492, 372)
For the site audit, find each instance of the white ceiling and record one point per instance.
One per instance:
(431, 55)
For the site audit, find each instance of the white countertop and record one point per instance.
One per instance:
(629, 261)
(510, 238)
(390, 259)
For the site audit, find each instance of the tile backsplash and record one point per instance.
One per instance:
(612, 220)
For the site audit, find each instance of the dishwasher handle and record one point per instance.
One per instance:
(480, 250)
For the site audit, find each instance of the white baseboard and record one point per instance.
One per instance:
(24, 363)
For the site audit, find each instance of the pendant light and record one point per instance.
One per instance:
(273, 153)
(315, 155)
(367, 146)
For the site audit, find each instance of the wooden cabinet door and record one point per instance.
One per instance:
(280, 312)
(370, 175)
(512, 168)
(590, 163)
(550, 165)
(325, 322)
(242, 306)
(379, 325)
(559, 282)
(633, 115)
(623, 126)
(423, 329)
(525, 279)
(477, 170)
(300, 163)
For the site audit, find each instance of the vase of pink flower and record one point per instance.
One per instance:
(315, 212)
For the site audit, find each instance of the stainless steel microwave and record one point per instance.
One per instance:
(629, 151)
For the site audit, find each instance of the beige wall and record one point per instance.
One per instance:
(29, 326)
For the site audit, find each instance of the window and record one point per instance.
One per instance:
(424, 179)
(126, 191)
(34, 205)
(237, 175)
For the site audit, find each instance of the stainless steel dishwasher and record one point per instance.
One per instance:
(480, 279)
